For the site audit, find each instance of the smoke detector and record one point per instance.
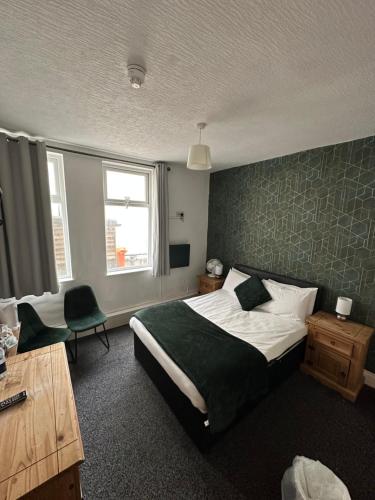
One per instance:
(136, 75)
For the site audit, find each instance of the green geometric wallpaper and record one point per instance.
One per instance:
(309, 215)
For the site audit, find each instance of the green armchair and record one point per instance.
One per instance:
(82, 313)
(34, 333)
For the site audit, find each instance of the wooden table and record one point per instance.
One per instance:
(40, 440)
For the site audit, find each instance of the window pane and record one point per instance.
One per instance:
(58, 240)
(59, 215)
(127, 234)
(121, 185)
(52, 178)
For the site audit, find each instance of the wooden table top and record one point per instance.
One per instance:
(40, 437)
(348, 329)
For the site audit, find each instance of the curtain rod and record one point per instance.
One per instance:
(94, 155)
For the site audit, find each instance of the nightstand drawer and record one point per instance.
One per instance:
(340, 346)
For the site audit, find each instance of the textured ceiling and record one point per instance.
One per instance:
(270, 77)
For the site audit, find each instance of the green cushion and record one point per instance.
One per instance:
(252, 293)
(45, 337)
(87, 322)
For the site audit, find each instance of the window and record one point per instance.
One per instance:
(59, 215)
(127, 216)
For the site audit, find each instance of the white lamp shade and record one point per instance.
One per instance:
(219, 269)
(199, 157)
(344, 305)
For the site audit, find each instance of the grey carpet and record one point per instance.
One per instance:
(136, 449)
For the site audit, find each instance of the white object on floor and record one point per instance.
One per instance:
(272, 335)
(369, 378)
(309, 479)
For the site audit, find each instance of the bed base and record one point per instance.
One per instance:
(192, 420)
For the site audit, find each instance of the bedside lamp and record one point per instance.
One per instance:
(343, 307)
(218, 269)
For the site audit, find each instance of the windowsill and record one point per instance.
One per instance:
(65, 280)
(129, 271)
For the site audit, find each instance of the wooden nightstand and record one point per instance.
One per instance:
(208, 284)
(336, 352)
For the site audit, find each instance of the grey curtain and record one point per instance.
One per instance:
(161, 221)
(27, 263)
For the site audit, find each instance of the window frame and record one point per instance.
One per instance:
(60, 197)
(143, 171)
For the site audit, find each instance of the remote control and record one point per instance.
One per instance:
(13, 400)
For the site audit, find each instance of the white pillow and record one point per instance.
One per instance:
(233, 279)
(8, 312)
(311, 292)
(285, 302)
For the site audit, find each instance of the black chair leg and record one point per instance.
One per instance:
(73, 356)
(105, 343)
(105, 334)
(69, 349)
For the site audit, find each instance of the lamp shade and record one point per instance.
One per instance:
(199, 157)
(219, 269)
(344, 306)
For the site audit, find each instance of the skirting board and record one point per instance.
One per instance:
(122, 318)
(369, 378)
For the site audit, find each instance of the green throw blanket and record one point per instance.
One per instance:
(227, 371)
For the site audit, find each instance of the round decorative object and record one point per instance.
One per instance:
(211, 265)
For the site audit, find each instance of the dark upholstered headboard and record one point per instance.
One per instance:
(283, 279)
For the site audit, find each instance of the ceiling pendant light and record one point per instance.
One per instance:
(199, 154)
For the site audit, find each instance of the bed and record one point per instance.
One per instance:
(281, 342)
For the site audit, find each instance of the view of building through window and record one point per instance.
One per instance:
(127, 217)
(59, 215)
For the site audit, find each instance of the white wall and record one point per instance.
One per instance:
(188, 192)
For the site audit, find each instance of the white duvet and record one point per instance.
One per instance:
(272, 335)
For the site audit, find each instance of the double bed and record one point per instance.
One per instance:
(280, 340)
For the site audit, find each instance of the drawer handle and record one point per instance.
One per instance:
(343, 374)
(333, 342)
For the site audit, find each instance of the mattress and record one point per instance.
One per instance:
(272, 335)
